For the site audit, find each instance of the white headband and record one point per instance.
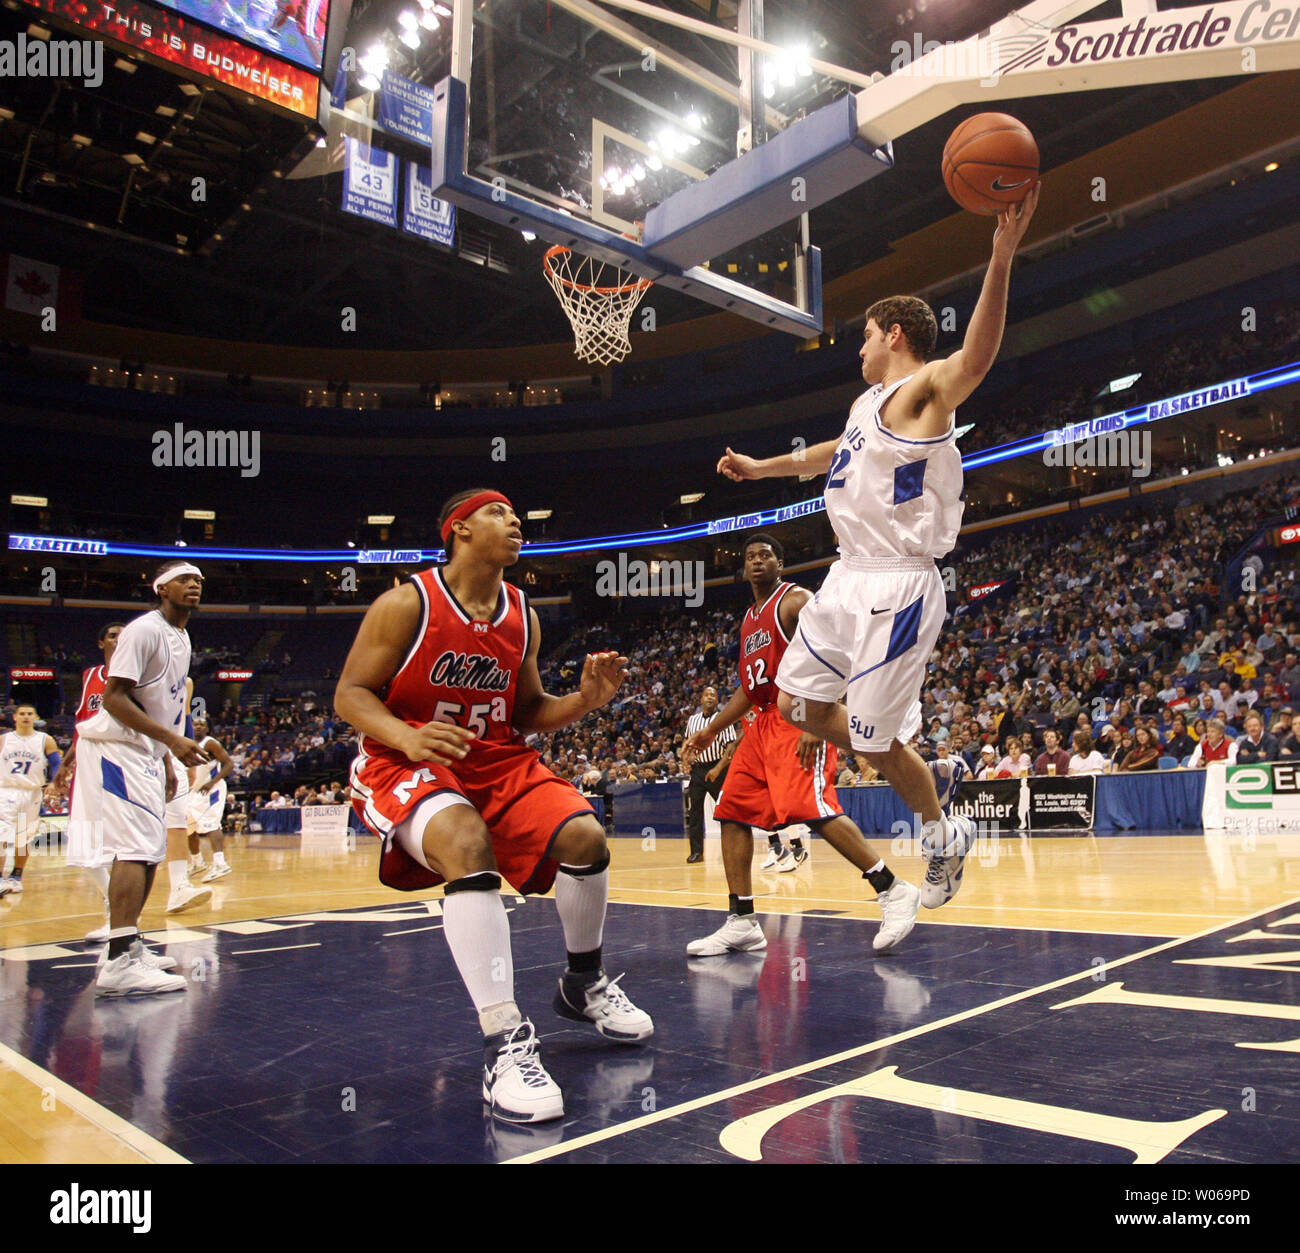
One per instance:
(175, 573)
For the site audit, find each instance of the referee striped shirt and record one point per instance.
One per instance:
(697, 722)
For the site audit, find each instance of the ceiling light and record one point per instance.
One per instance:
(320, 141)
(653, 162)
(190, 89)
(411, 38)
(407, 19)
(692, 497)
(429, 21)
(132, 158)
(367, 81)
(529, 236)
(538, 515)
(638, 172)
(693, 120)
(81, 141)
(38, 32)
(441, 8)
(143, 137)
(165, 110)
(127, 67)
(380, 519)
(1270, 167)
(200, 515)
(36, 502)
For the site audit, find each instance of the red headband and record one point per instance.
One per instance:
(466, 507)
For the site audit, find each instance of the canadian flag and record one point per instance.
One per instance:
(34, 286)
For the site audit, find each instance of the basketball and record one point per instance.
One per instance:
(989, 162)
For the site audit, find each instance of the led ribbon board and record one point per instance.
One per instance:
(1173, 406)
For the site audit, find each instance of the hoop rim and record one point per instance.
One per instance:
(637, 284)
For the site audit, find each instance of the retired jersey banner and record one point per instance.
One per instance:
(1062, 803)
(369, 182)
(405, 108)
(424, 214)
(1259, 798)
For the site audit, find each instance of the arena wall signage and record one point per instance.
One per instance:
(1260, 798)
(1043, 803)
(28, 674)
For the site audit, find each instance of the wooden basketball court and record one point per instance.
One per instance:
(1059, 1009)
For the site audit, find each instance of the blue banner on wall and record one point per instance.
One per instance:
(424, 214)
(405, 108)
(369, 182)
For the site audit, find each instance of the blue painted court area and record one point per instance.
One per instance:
(347, 1037)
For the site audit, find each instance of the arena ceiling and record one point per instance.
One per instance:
(273, 259)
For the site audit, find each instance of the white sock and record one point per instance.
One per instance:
(580, 901)
(98, 875)
(178, 874)
(218, 859)
(478, 934)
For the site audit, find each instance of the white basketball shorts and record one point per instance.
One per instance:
(207, 809)
(867, 636)
(20, 811)
(85, 834)
(120, 790)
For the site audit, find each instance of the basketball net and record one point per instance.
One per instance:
(599, 299)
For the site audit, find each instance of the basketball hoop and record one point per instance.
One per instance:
(598, 309)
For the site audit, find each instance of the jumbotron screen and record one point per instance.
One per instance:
(292, 29)
(171, 31)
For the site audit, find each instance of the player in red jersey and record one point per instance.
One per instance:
(442, 676)
(780, 776)
(83, 833)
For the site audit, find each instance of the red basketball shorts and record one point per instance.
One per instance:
(767, 787)
(521, 802)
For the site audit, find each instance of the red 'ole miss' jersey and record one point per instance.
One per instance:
(93, 681)
(460, 669)
(762, 645)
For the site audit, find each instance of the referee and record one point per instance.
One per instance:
(708, 770)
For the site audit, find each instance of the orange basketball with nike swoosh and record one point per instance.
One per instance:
(990, 162)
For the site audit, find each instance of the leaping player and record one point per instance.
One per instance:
(441, 677)
(780, 776)
(894, 496)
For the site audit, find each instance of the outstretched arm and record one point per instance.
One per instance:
(535, 710)
(815, 460)
(954, 378)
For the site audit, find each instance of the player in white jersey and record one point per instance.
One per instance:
(894, 497)
(182, 895)
(208, 804)
(26, 754)
(123, 767)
